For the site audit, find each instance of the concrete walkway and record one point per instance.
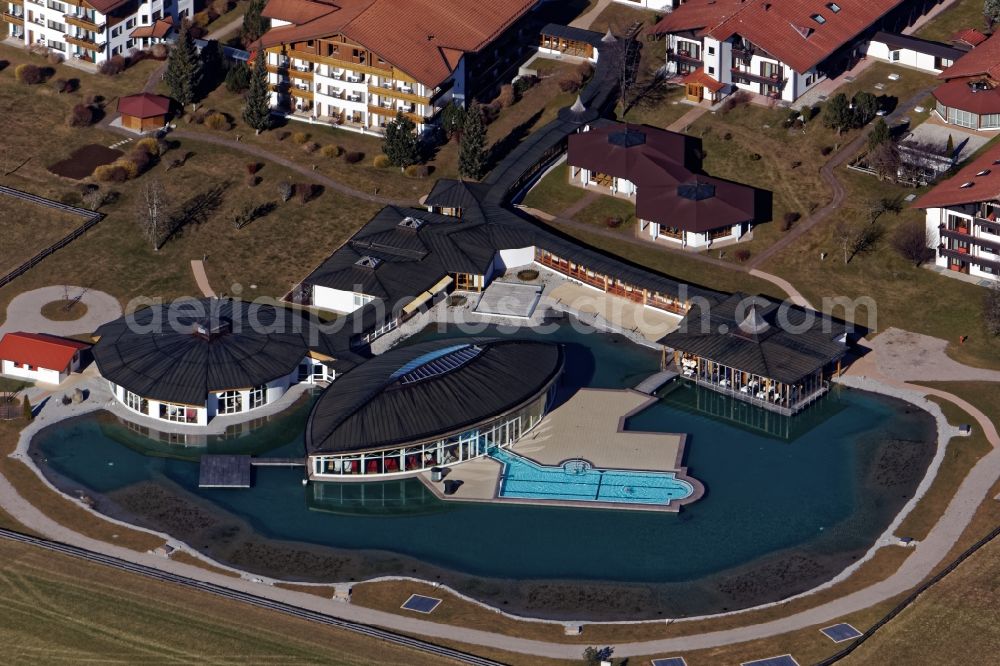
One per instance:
(685, 121)
(586, 20)
(793, 294)
(201, 278)
(905, 356)
(24, 311)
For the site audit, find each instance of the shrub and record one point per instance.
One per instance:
(196, 117)
(54, 58)
(285, 191)
(300, 137)
(754, 157)
(282, 135)
(238, 78)
(81, 116)
(306, 192)
(62, 86)
(569, 85)
(253, 167)
(28, 74)
(825, 150)
(742, 255)
(112, 66)
(507, 96)
(332, 151)
(129, 166)
(789, 219)
(217, 121)
(201, 19)
(417, 171)
(728, 136)
(252, 180)
(310, 147)
(149, 145)
(110, 173)
(524, 83)
(382, 161)
(613, 221)
(353, 157)
(4, 64)
(159, 51)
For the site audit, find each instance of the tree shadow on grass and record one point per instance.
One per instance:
(504, 146)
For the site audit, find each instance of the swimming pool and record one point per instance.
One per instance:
(579, 481)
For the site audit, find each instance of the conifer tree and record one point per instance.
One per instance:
(400, 143)
(183, 75)
(257, 108)
(254, 25)
(472, 156)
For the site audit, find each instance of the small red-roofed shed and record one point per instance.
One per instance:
(144, 112)
(40, 357)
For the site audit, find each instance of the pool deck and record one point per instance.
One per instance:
(589, 426)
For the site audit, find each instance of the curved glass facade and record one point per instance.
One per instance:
(469, 444)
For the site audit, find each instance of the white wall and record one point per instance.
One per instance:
(337, 300)
(907, 57)
(43, 375)
(517, 257)
(659, 5)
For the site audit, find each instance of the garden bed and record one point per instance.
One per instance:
(82, 161)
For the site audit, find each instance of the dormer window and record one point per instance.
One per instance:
(984, 172)
(967, 185)
(833, 7)
(819, 18)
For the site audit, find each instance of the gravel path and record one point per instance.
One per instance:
(24, 312)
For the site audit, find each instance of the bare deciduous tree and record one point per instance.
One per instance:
(151, 211)
(855, 238)
(912, 242)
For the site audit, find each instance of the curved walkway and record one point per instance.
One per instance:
(201, 278)
(24, 311)
(927, 556)
(906, 356)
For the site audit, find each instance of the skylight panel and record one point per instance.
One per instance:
(833, 7)
(819, 18)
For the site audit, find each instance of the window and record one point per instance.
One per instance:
(178, 413)
(819, 18)
(833, 7)
(143, 20)
(136, 402)
(258, 396)
(230, 402)
(129, 24)
(116, 31)
(894, 56)
(361, 299)
(711, 70)
(711, 50)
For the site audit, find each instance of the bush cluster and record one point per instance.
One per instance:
(418, 171)
(217, 121)
(130, 166)
(353, 157)
(381, 161)
(28, 74)
(332, 151)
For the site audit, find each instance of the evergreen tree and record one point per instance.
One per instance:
(254, 25)
(213, 67)
(400, 143)
(452, 119)
(879, 134)
(949, 147)
(237, 78)
(837, 113)
(26, 411)
(991, 12)
(865, 108)
(183, 75)
(472, 156)
(257, 108)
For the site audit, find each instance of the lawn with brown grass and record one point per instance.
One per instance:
(959, 15)
(59, 608)
(26, 229)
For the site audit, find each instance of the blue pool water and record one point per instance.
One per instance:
(578, 481)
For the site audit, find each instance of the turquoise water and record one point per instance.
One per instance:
(818, 487)
(577, 481)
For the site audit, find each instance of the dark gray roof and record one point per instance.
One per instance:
(576, 34)
(448, 193)
(388, 400)
(927, 47)
(239, 345)
(750, 334)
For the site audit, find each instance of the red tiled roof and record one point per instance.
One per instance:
(158, 30)
(106, 6)
(784, 28)
(983, 188)
(959, 94)
(144, 105)
(421, 37)
(969, 36)
(699, 76)
(980, 61)
(668, 191)
(40, 350)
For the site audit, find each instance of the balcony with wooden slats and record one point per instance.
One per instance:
(84, 43)
(83, 22)
(396, 93)
(16, 19)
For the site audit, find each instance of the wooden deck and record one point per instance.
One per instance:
(655, 382)
(218, 471)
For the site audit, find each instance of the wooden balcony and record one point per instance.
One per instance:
(289, 72)
(980, 261)
(342, 64)
(16, 2)
(749, 77)
(83, 22)
(391, 113)
(395, 93)
(684, 56)
(84, 43)
(11, 18)
(971, 240)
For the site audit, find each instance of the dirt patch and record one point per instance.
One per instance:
(82, 161)
(64, 310)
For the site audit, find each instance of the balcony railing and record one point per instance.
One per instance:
(85, 43)
(396, 93)
(772, 80)
(965, 237)
(82, 21)
(980, 261)
(391, 113)
(684, 56)
(16, 19)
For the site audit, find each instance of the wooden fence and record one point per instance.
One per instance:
(90, 219)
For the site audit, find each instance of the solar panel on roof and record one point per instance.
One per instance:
(441, 365)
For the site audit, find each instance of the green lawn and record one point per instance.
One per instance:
(908, 83)
(959, 15)
(553, 193)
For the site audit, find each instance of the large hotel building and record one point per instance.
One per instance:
(356, 63)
